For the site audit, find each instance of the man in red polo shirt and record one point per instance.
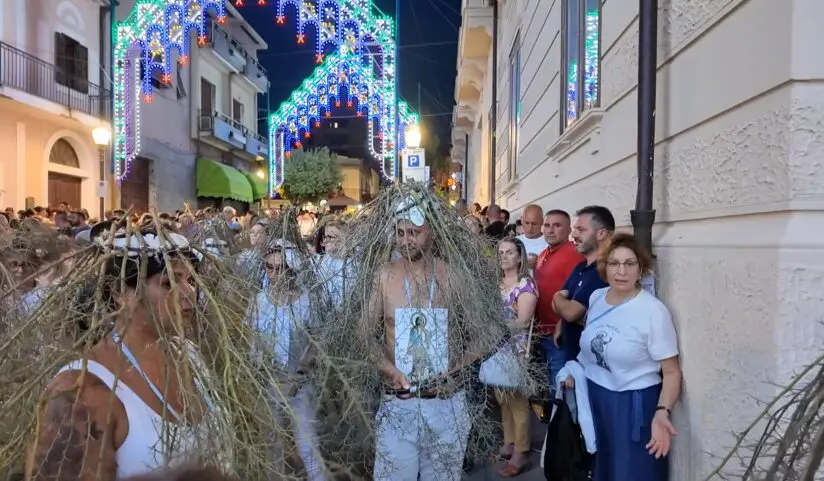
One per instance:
(552, 268)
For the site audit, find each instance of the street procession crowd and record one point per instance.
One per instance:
(406, 341)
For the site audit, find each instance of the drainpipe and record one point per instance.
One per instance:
(112, 39)
(493, 122)
(643, 216)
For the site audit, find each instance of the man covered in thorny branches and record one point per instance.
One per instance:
(423, 420)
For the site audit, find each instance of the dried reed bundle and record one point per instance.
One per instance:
(785, 442)
(106, 285)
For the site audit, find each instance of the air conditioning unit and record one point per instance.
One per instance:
(206, 123)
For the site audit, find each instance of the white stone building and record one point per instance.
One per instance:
(739, 171)
(51, 98)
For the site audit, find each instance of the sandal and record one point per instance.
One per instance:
(510, 470)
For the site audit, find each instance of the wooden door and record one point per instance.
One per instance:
(134, 190)
(64, 188)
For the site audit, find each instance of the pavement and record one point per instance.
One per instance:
(488, 471)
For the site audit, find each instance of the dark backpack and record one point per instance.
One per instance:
(566, 457)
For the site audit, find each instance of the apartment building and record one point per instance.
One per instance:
(226, 83)
(738, 184)
(51, 98)
(204, 118)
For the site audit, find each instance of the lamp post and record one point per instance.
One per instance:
(102, 136)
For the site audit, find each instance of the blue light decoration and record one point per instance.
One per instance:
(358, 31)
(591, 62)
(145, 43)
(592, 58)
(341, 81)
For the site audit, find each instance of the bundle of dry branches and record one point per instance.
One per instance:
(785, 442)
(63, 300)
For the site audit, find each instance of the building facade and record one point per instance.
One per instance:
(226, 83)
(738, 170)
(206, 110)
(50, 101)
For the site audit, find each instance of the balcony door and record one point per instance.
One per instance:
(134, 190)
(207, 97)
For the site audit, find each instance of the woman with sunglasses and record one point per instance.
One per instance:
(281, 316)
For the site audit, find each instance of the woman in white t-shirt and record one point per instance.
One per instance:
(629, 351)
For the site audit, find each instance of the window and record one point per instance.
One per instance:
(237, 111)
(71, 60)
(581, 47)
(63, 153)
(181, 87)
(207, 97)
(157, 77)
(514, 106)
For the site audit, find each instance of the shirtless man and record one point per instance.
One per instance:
(424, 430)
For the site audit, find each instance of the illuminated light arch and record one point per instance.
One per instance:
(341, 79)
(353, 27)
(148, 38)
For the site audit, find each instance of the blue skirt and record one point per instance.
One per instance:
(622, 430)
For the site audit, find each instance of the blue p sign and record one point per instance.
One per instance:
(414, 161)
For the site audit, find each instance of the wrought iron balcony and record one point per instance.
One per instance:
(25, 72)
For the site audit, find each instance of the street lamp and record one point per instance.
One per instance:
(102, 136)
(413, 136)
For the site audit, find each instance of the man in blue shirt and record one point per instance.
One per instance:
(593, 226)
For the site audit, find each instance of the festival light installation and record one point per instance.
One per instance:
(591, 73)
(349, 28)
(145, 43)
(342, 80)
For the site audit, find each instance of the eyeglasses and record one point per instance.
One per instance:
(331, 237)
(270, 267)
(616, 265)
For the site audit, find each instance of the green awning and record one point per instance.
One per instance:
(260, 190)
(220, 180)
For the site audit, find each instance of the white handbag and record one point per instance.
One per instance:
(506, 368)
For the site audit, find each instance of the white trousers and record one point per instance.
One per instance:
(302, 416)
(425, 437)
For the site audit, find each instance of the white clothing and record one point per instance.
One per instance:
(281, 327)
(533, 246)
(302, 417)
(584, 411)
(282, 331)
(622, 350)
(425, 437)
(143, 450)
(336, 275)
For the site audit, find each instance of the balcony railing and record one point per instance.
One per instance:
(27, 73)
(233, 52)
(227, 129)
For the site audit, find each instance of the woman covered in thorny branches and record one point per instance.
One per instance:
(131, 404)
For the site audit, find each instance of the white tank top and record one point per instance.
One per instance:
(146, 447)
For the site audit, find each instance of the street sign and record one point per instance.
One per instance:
(415, 158)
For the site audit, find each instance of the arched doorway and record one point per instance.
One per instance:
(134, 190)
(62, 187)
